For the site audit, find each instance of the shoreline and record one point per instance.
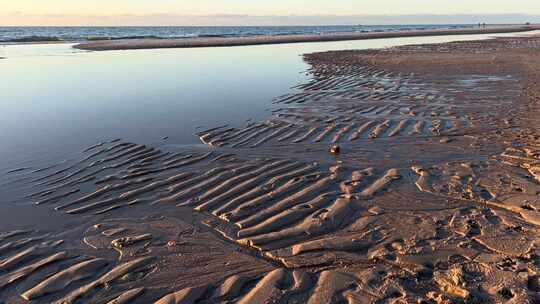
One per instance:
(134, 44)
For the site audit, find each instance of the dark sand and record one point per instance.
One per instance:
(432, 198)
(130, 44)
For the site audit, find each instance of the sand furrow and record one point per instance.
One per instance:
(100, 144)
(325, 220)
(285, 97)
(176, 159)
(290, 134)
(381, 183)
(330, 287)
(325, 132)
(14, 245)
(151, 159)
(186, 162)
(295, 98)
(248, 208)
(65, 278)
(288, 216)
(363, 128)
(402, 125)
(211, 130)
(23, 272)
(207, 184)
(309, 132)
(380, 110)
(94, 205)
(90, 176)
(226, 138)
(10, 234)
(26, 255)
(342, 132)
(246, 175)
(263, 189)
(231, 288)
(271, 135)
(137, 156)
(390, 110)
(102, 191)
(127, 296)
(119, 148)
(62, 178)
(289, 202)
(249, 137)
(340, 243)
(189, 295)
(175, 155)
(242, 184)
(156, 185)
(57, 197)
(206, 138)
(357, 181)
(46, 168)
(51, 190)
(106, 279)
(57, 172)
(138, 159)
(197, 179)
(380, 129)
(118, 206)
(267, 289)
(134, 150)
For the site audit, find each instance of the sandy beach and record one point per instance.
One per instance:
(131, 44)
(400, 175)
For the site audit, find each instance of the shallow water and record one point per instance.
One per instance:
(55, 100)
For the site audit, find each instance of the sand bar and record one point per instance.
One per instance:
(148, 43)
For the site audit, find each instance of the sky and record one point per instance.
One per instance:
(262, 12)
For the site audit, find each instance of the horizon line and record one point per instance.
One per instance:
(20, 19)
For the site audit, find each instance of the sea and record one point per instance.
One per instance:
(60, 33)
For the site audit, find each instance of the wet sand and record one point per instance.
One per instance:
(432, 196)
(131, 44)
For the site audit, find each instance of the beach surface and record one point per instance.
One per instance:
(408, 174)
(131, 44)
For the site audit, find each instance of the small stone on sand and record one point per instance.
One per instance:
(376, 210)
(445, 140)
(335, 149)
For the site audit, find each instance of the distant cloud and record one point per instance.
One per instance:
(21, 19)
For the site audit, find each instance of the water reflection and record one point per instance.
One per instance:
(54, 98)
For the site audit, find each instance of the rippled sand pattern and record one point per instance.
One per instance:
(431, 195)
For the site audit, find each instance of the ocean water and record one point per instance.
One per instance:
(32, 34)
